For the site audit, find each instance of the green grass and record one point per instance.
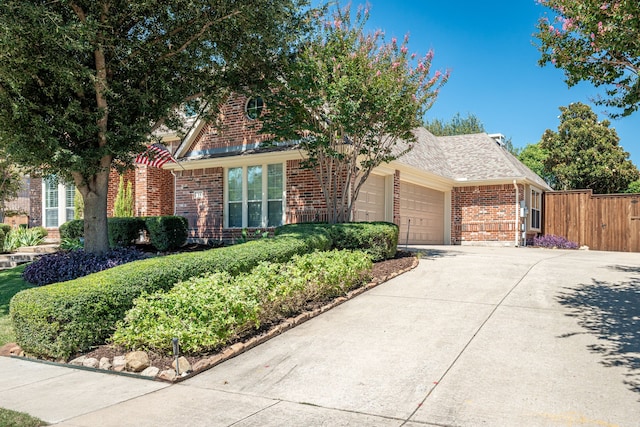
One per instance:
(11, 283)
(11, 418)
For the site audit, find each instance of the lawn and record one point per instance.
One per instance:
(18, 419)
(10, 284)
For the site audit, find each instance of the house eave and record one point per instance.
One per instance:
(239, 159)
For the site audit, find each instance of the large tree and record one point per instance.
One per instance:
(584, 153)
(351, 100)
(10, 182)
(534, 157)
(596, 41)
(84, 84)
(458, 125)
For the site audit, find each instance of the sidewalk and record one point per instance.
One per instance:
(472, 336)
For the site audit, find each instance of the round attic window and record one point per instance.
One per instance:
(254, 107)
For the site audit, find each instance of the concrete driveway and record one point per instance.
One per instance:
(472, 336)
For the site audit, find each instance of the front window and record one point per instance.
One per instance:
(58, 202)
(536, 205)
(255, 196)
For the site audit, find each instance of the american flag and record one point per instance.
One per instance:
(156, 155)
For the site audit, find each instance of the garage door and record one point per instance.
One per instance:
(422, 214)
(370, 203)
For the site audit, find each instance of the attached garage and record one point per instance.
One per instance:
(370, 205)
(422, 212)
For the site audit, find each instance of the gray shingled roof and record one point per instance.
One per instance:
(475, 157)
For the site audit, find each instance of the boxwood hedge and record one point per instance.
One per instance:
(378, 239)
(59, 320)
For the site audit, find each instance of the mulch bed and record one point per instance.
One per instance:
(382, 271)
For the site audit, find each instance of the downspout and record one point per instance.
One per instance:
(175, 193)
(516, 242)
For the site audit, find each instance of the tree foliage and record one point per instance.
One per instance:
(458, 125)
(584, 153)
(350, 99)
(10, 182)
(84, 84)
(634, 187)
(595, 41)
(534, 156)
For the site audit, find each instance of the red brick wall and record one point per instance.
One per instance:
(484, 214)
(305, 201)
(236, 128)
(200, 200)
(154, 191)
(35, 207)
(396, 198)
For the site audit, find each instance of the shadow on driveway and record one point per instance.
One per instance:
(611, 312)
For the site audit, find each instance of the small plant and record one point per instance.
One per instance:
(553, 242)
(63, 266)
(24, 237)
(69, 244)
(123, 204)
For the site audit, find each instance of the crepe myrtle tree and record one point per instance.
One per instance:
(595, 41)
(350, 99)
(84, 84)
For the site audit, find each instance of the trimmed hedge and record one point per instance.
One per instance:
(124, 231)
(5, 228)
(378, 239)
(167, 232)
(59, 320)
(73, 229)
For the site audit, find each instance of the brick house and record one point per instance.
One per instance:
(448, 190)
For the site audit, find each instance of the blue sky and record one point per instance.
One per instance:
(490, 51)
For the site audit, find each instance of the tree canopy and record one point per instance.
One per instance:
(84, 84)
(458, 125)
(350, 99)
(585, 153)
(533, 156)
(595, 41)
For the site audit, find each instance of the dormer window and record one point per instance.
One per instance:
(254, 107)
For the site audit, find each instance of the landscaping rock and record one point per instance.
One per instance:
(91, 362)
(202, 364)
(11, 349)
(119, 363)
(105, 363)
(79, 361)
(137, 361)
(167, 375)
(183, 363)
(151, 371)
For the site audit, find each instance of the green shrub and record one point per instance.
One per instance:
(5, 228)
(61, 319)
(206, 313)
(378, 239)
(167, 232)
(20, 237)
(73, 229)
(1, 240)
(123, 231)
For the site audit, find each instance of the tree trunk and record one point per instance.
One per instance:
(94, 194)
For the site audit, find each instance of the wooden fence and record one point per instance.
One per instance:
(605, 222)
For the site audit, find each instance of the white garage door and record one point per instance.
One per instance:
(370, 203)
(422, 214)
